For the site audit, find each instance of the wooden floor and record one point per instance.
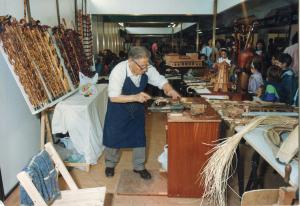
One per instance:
(156, 139)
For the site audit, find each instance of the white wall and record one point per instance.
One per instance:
(148, 30)
(44, 10)
(19, 129)
(226, 4)
(142, 7)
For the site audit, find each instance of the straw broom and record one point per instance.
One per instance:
(215, 174)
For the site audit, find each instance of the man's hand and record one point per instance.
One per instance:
(142, 97)
(172, 93)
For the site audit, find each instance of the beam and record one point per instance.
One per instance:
(214, 23)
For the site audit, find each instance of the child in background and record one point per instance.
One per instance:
(223, 56)
(272, 88)
(287, 78)
(255, 80)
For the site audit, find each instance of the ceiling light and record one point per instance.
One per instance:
(217, 28)
(121, 24)
(199, 32)
(173, 25)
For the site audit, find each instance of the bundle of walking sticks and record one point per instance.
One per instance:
(34, 60)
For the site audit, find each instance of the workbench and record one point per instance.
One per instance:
(189, 139)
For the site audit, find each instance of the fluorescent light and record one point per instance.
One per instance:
(121, 24)
(217, 28)
(173, 25)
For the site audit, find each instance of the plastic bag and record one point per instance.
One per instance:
(163, 158)
(87, 85)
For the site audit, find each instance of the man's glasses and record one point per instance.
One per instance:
(142, 68)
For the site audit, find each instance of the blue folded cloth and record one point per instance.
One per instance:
(44, 177)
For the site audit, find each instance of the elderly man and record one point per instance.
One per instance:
(124, 125)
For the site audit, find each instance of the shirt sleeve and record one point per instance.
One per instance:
(116, 81)
(155, 79)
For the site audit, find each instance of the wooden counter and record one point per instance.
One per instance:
(188, 139)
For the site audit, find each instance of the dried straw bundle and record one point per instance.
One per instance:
(215, 174)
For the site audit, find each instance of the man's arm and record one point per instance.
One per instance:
(140, 97)
(169, 91)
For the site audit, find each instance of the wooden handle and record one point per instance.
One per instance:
(288, 170)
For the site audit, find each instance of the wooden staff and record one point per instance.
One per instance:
(16, 53)
(39, 55)
(51, 67)
(74, 77)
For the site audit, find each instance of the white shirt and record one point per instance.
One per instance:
(118, 75)
(221, 59)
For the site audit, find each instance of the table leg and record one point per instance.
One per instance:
(252, 182)
(240, 171)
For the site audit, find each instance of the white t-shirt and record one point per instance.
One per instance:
(118, 75)
(221, 59)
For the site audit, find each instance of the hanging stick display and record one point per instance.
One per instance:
(34, 60)
(19, 56)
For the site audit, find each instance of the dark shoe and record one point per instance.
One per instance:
(109, 171)
(144, 174)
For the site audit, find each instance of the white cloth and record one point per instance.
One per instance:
(83, 117)
(118, 75)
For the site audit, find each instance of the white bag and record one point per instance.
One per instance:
(163, 158)
(87, 85)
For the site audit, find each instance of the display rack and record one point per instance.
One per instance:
(32, 109)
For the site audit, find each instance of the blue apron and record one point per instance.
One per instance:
(124, 125)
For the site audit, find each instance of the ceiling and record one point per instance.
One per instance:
(256, 8)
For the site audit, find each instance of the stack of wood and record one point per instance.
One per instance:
(222, 80)
(181, 61)
(85, 32)
(34, 59)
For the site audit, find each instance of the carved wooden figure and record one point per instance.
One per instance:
(222, 80)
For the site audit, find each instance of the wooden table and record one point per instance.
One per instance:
(187, 138)
(258, 142)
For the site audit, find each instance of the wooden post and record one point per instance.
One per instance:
(28, 11)
(76, 17)
(197, 38)
(214, 23)
(180, 36)
(57, 12)
(2, 196)
(45, 129)
(42, 129)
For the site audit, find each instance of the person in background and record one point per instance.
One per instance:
(260, 51)
(255, 80)
(223, 56)
(293, 51)
(124, 125)
(274, 59)
(272, 86)
(287, 78)
(209, 51)
(204, 59)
